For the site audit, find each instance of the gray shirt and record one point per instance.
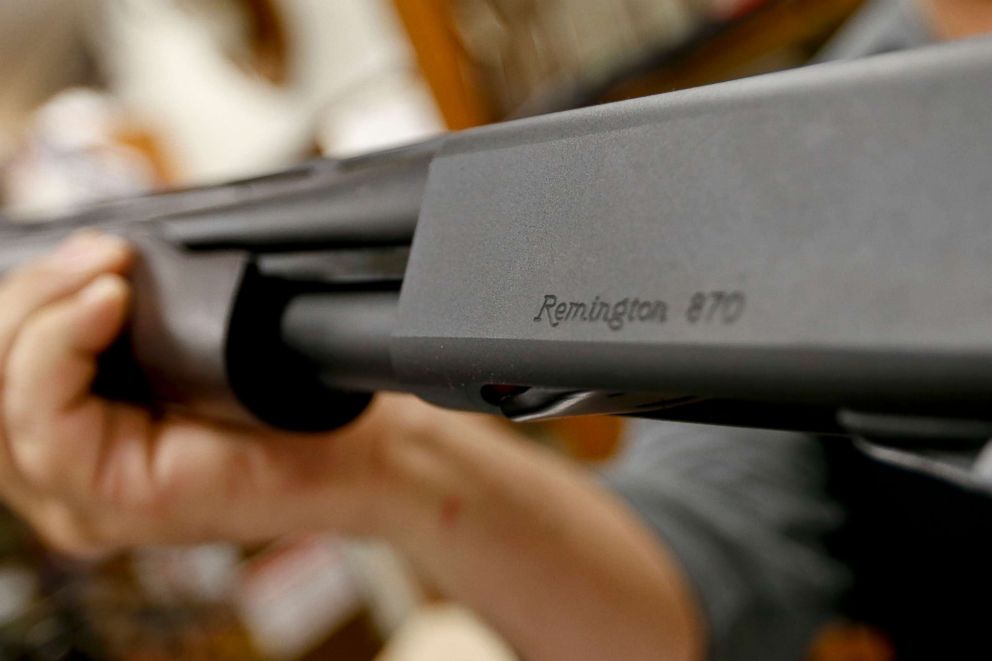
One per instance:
(748, 515)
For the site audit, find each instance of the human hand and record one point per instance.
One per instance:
(484, 515)
(92, 475)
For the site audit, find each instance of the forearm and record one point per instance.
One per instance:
(957, 19)
(533, 544)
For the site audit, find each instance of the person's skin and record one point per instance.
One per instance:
(556, 563)
(957, 19)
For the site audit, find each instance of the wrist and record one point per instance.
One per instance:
(396, 467)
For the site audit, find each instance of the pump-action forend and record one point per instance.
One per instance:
(808, 250)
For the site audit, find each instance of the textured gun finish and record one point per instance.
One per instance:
(765, 252)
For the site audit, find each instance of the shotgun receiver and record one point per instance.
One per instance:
(808, 250)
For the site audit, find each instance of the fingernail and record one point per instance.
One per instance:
(76, 243)
(98, 291)
(87, 249)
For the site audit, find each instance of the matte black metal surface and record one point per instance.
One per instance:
(820, 235)
(345, 337)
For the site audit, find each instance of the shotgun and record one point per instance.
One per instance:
(807, 250)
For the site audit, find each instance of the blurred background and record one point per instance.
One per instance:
(105, 98)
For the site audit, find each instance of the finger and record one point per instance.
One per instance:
(50, 370)
(53, 360)
(66, 530)
(185, 481)
(30, 287)
(191, 481)
(201, 482)
(75, 263)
